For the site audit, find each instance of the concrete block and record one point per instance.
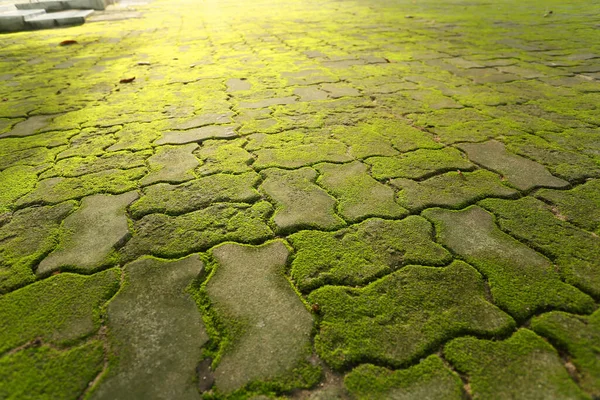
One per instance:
(62, 18)
(15, 20)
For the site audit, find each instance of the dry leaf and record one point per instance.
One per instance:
(127, 80)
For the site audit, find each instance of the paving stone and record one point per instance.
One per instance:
(198, 134)
(90, 142)
(574, 251)
(522, 173)
(238, 85)
(271, 326)
(173, 164)
(360, 253)
(15, 182)
(77, 166)
(383, 137)
(223, 156)
(137, 136)
(33, 157)
(204, 120)
(267, 102)
(452, 189)
(91, 234)
(359, 195)
(47, 373)
(56, 190)
(57, 310)
(336, 90)
(523, 366)
(404, 315)
(418, 164)
(522, 282)
(580, 205)
(178, 199)
(430, 379)
(310, 93)
(175, 236)
(580, 336)
(30, 126)
(300, 202)
(293, 149)
(155, 350)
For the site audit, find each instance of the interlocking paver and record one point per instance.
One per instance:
(358, 152)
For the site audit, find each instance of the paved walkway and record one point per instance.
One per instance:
(307, 199)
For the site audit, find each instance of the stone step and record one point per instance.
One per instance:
(60, 5)
(56, 19)
(16, 20)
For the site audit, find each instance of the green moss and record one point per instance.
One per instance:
(580, 337)
(418, 164)
(429, 379)
(59, 310)
(77, 166)
(522, 282)
(452, 189)
(226, 156)
(362, 252)
(523, 366)
(29, 236)
(576, 252)
(138, 136)
(14, 183)
(178, 199)
(580, 205)
(166, 236)
(45, 373)
(404, 315)
(55, 190)
(90, 142)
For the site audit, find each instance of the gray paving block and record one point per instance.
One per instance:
(61, 18)
(13, 20)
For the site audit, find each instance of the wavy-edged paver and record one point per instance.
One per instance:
(363, 252)
(430, 379)
(251, 294)
(91, 234)
(522, 366)
(522, 281)
(174, 164)
(300, 202)
(404, 315)
(198, 134)
(522, 173)
(225, 156)
(155, 332)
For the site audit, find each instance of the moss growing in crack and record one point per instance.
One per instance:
(581, 205)
(576, 252)
(404, 315)
(429, 379)
(523, 366)
(28, 236)
(362, 252)
(418, 164)
(14, 183)
(225, 156)
(580, 337)
(77, 166)
(90, 142)
(47, 373)
(59, 310)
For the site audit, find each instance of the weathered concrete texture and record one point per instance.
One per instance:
(522, 173)
(452, 189)
(521, 281)
(580, 336)
(363, 252)
(404, 315)
(171, 164)
(58, 310)
(155, 330)
(523, 366)
(30, 126)
(360, 196)
(91, 235)
(575, 251)
(300, 202)
(418, 164)
(176, 236)
(430, 379)
(250, 292)
(203, 120)
(198, 134)
(26, 238)
(178, 199)
(238, 85)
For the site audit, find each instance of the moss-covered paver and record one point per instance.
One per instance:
(305, 199)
